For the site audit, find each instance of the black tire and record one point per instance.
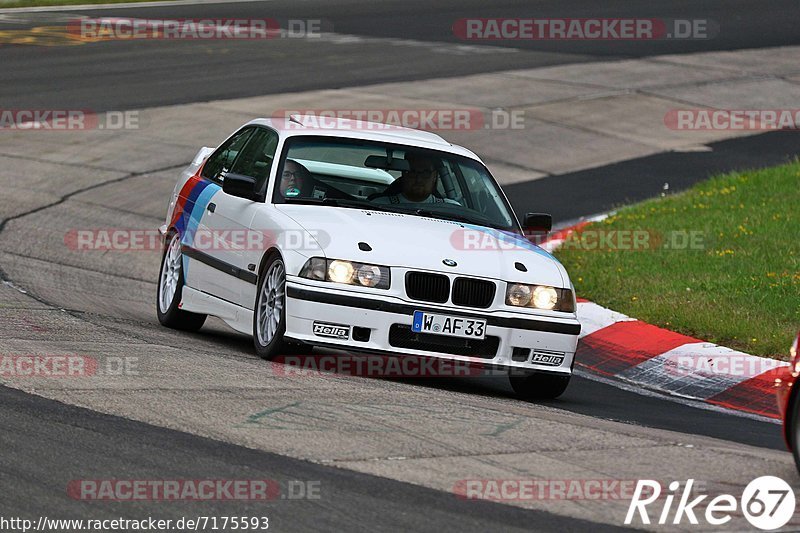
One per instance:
(793, 431)
(276, 345)
(539, 386)
(174, 317)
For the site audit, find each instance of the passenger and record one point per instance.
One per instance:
(293, 178)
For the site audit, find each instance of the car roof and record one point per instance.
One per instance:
(361, 129)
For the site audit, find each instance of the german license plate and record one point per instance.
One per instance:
(453, 326)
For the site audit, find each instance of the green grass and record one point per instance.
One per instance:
(34, 3)
(740, 288)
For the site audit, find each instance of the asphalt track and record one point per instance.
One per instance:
(47, 443)
(381, 41)
(645, 177)
(101, 443)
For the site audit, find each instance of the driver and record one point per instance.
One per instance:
(417, 183)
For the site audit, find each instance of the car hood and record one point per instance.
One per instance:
(410, 241)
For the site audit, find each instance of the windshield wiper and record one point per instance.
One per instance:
(443, 216)
(365, 204)
(310, 201)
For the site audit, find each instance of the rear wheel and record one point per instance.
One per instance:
(170, 291)
(539, 386)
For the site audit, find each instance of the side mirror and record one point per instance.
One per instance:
(240, 185)
(538, 222)
(537, 225)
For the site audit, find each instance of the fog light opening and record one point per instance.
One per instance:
(361, 334)
(520, 355)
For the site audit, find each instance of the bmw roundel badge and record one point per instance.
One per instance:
(449, 262)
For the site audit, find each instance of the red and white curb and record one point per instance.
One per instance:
(617, 346)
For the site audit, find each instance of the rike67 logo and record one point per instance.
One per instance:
(767, 502)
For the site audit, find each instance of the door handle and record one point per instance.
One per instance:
(211, 207)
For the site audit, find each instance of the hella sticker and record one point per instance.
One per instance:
(334, 331)
(549, 359)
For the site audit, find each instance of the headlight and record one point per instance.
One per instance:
(340, 271)
(315, 268)
(369, 275)
(544, 297)
(347, 272)
(519, 295)
(540, 297)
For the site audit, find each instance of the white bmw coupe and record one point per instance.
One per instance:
(369, 238)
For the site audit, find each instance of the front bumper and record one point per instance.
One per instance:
(513, 340)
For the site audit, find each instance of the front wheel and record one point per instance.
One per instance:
(269, 318)
(539, 386)
(170, 291)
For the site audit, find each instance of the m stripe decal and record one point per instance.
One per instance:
(183, 221)
(197, 212)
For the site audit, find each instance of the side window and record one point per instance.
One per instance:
(257, 155)
(484, 197)
(222, 160)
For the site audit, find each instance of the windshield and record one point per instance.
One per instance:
(390, 177)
